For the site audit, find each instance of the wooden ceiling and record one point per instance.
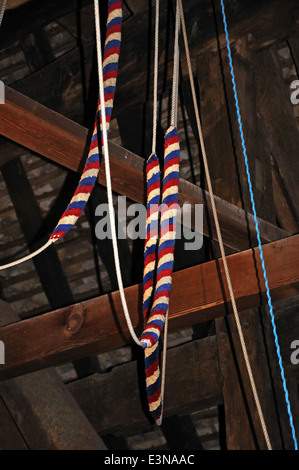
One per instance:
(47, 62)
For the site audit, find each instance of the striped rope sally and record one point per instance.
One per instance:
(92, 165)
(93, 161)
(156, 321)
(161, 231)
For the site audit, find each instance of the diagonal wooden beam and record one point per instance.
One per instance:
(199, 294)
(65, 142)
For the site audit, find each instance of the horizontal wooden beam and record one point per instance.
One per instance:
(44, 411)
(65, 142)
(117, 407)
(199, 294)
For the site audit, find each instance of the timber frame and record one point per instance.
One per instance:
(199, 294)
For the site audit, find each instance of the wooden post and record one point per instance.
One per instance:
(242, 423)
(280, 126)
(216, 128)
(243, 427)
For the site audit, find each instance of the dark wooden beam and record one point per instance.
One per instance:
(114, 402)
(33, 14)
(44, 411)
(201, 373)
(180, 433)
(294, 47)
(282, 139)
(60, 76)
(264, 21)
(47, 265)
(243, 427)
(37, 49)
(199, 294)
(9, 150)
(47, 414)
(216, 128)
(10, 436)
(66, 143)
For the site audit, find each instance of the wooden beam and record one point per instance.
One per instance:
(47, 265)
(66, 143)
(9, 151)
(15, 4)
(33, 14)
(242, 423)
(199, 294)
(10, 436)
(243, 427)
(265, 21)
(180, 433)
(282, 140)
(45, 412)
(113, 404)
(204, 378)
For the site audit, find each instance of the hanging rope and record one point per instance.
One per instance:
(92, 164)
(101, 71)
(158, 318)
(153, 191)
(257, 228)
(156, 69)
(219, 235)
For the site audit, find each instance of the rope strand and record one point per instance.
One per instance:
(164, 231)
(174, 100)
(108, 179)
(219, 236)
(174, 113)
(28, 257)
(156, 66)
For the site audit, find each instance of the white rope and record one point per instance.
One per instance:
(108, 176)
(28, 257)
(174, 99)
(3, 7)
(173, 123)
(155, 91)
(219, 236)
(163, 373)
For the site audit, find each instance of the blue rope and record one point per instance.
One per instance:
(257, 228)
